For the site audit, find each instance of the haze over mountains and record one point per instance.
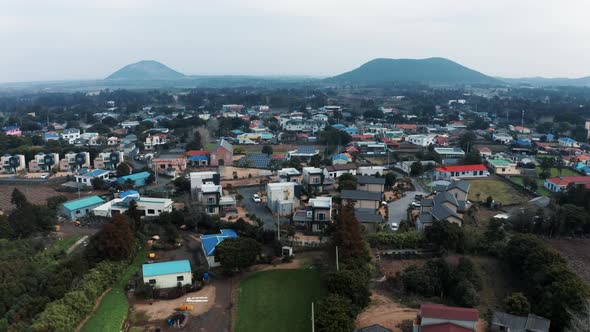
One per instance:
(146, 70)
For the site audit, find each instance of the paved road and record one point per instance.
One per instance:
(259, 209)
(398, 209)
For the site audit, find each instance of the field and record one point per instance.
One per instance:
(500, 191)
(577, 254)
(113, 308)
(554, 173)
(65, 243)
(277, 300)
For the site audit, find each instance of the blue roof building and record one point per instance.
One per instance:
(210, 241)
(139, 179)
(80, 207)
(338, 126)
(351, 130)
(167, 274)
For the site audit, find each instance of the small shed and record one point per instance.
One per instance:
(167, 274)
(80, 207)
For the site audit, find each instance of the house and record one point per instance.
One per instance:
(167, 274)
(438, 318)
(484, 152)
(222, 154)
(12, 131)
(304, 153)
(80, 207)
(371, 170)
(335, 171)
(341, 159)
(560, 184)
(290, 175)
(407, 127)
(371, 183)
(138, 179)
(502, 137)
(406, 166)
(209, 195)
(503, 167)
(370, 219)
(209, 243)
(282, 197)
(44, 162)
(51, 136)
(70, 135)
(502, 321)
(111, 141)
(108, 160)
(313, 178)
(73, 161)
(129, 124)
(85, 178)
(168, 166)
(568, 142)
(448, 155)
(519, 129)
(461, 171)
(317, 214)
(12, 164)
(371, 148)
(146, 206)
(446, 205)
(362, 199)
(421, 140)
(198, 157)
(198, 179)
(152, 141)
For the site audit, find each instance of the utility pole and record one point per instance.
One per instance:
(312, 319)
(337, 265)
(278, 227)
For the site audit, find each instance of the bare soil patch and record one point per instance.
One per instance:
(158, 310)
(385, 312)
(577, 254)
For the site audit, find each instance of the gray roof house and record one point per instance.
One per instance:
(502, 321)
(363, 199)
(444, 206)
(370, 219)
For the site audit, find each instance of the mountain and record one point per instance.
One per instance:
(543, 81)
(431, 70)
(146, 70)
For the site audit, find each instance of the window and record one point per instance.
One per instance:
(77, 211)
(87, 210)
(151, 211)
(316, 180)
(211, 200)
(180, 278)
(321, 216)
(152, 281)
(159, 211)
(480, 172)
(211, 209)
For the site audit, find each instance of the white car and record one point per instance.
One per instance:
(415, 204)
(45, 176)
(256, 198)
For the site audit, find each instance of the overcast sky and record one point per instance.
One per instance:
(79, 39)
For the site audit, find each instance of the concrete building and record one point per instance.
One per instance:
(80, 207)
(85, 178)
(282, 197)
(290, 175)
(44, 162)
(560, 184)
(362, 199)
(147, 206)
(461, 171)
(12, 164)
(108, 160)
(198, 179)
(503, 167)
(152, 141)
(222, 154)
(421, 140)
(304, 153)
(317, 214)
(74, 161)
(168, 166)
(371, 148)
(371, 183)
(313, 179)
(335, 171)
(12, 131)
(167, 274)
(70, 135)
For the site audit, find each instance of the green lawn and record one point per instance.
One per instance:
(555, 172)
(113, 308)
(65, 243)
(500, 191)
(540, 182)
(277, 300)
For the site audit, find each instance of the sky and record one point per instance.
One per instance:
(90, 39)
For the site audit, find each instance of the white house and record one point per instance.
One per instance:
(421, 140)
(12, 164)
(73, 161)
(44, 162)
(70, 135)
(147, 206)
(167, 274)
(87, 177)
(281, 197)
(502, 137)
(461, 171)
(108, 160)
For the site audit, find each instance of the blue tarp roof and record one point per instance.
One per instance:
(94, 173)
(172, 267)
(134, 177)
(212, 240)
(128, 193)
(197, 158)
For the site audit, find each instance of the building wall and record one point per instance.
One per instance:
(376, 188)
(169, 280)
(366, 204)
(75, 214)
(221, 153)
(431, 321)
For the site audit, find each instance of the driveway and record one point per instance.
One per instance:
(398, 209)
(259, 209)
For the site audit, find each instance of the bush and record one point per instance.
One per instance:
(397, 240)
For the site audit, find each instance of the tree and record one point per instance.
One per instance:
(54, 201)
(267, 149)
(196, 143)
(334, 315)
(390, 180)
(237, 253)
(347, 181)
(416, 168)
(466, 141)
(99, 184)
(316, 161)
(351, 285)
(182, 184)
(517, 304)
(123, 169)
(352, 250)
(446, 235)
(115, 241)
(18, 198)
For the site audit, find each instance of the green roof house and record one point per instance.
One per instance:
(80, 207)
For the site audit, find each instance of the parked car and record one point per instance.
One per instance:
(415, 204)
(45, 176)
(418, 197)
(256, 198)
(394, 226)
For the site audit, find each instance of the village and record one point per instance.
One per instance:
(241, 208)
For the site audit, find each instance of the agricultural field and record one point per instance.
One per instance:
(277, 300)
(113, 307)
(500, 191)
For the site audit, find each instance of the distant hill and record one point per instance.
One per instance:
(146, 70)
(542, 81)
(431, 70)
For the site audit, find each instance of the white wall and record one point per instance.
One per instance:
(169, 280)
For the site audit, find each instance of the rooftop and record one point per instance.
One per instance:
(363, 179)
(211, 241)
(163, 268)
(83, 202)
(462, 168)
(446, 312)
(360, 195)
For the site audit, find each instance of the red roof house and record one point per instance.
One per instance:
(461, 171)
(442, 318)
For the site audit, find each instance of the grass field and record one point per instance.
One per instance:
(500, 191)
(65, 243)
(277, 300)
(113, 308)
(555, 172)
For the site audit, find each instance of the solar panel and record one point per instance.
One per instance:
(306, 149)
